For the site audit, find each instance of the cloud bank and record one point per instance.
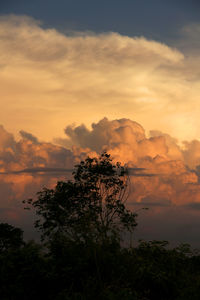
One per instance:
(50, 80)
(48, 77)
(167, 180)
(124, 139)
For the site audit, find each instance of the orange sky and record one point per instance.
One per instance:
(50, 80)
(138, 99)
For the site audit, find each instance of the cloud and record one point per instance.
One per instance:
(192, 153)
(189, 38)
(50, 45)
(174, 149)
(28, 136)
(167, 169)
(160, 177)
(26, 154)
(50, 79)
(194, 205)
(21, 160)
(39, 170)
(158, 166)
(105, 133)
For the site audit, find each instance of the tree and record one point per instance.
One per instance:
(89, 208)
(10, 237)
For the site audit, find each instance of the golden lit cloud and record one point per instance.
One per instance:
(170, 177)
(49, 79)
(174, 179)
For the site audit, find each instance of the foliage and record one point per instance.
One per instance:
(83, 219)
(10, 237)
(149, 271)
(91, 208)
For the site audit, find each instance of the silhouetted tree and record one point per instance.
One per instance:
(83, 219)
(89, 208)
(10, 237)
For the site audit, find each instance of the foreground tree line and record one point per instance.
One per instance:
(83, 224)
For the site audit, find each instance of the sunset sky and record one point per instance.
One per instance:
(77, 77)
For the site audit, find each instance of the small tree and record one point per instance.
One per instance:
(10, 237)
(90, 208)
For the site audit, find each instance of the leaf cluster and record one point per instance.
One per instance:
(90, 208)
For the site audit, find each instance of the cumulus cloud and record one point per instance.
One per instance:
(168, 172)
(28, 154)
(192, 153)
(160, 173)
(21, 160)
(50, 80)
(105, 133)
(164, 174)
(161, 170)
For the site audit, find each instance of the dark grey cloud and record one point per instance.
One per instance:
(39, 170)
(149, 204)
(193, 206)
(28, 136)
(130, 171)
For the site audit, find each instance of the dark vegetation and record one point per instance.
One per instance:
(81, 255)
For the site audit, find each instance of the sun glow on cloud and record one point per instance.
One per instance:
(169, 170)
(49, 79)
(169, 179)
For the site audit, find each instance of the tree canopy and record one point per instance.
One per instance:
(89, 208)
(83, 219)
(10, 237)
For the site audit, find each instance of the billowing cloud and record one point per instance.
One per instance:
(49, 79)
(105, 133)
(21, 160)
(29, 153)
(174, 180)
(163, 174)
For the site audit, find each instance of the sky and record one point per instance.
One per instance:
(65, 62)
(78, 77)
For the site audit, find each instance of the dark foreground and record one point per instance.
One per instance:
(82, 222)
(74, 271)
